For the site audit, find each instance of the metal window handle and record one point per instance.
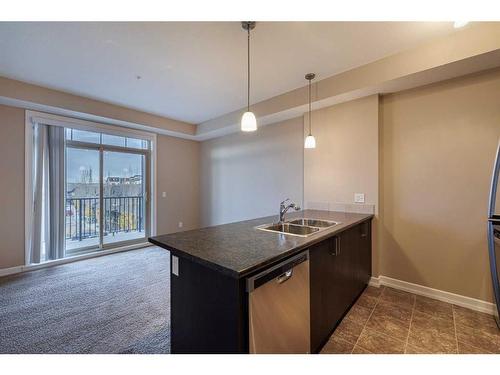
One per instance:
(284, 277)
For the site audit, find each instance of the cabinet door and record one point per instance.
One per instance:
(319, 270)
(358, 243)
(365, 250)
(344, 270)
(356, 262)
(327, 301)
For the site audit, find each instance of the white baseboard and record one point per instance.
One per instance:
(11, 270)
(33, 267)
(374, 281)
(440, 295)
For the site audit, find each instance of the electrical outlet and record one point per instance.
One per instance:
(359, 198)
(175, 265)
(164, 194)
(181, 224)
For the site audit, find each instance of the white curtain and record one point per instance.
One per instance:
(47, 228)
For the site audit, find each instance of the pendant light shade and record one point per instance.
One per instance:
(459, 24)
(310, 141)
(248, 120)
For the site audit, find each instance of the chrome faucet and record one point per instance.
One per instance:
(284, 207)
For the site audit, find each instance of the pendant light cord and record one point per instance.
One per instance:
(310, 107)
(248, 69)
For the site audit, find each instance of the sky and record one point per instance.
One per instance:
(115, 164)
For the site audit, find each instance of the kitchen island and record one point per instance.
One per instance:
(210, 268)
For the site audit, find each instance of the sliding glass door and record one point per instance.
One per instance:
(124, 198)
(107, 184)
(83, 201)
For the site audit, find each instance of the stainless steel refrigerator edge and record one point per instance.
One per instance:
(494, 234)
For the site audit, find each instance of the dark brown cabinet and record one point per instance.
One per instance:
(326, 286)
(365, 250)
(340, 268)
(319, 271)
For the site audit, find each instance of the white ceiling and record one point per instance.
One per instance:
(194, 71)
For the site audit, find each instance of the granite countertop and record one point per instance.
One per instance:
(239, 249)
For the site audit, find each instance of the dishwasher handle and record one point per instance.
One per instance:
(280, 272)
(284, 277)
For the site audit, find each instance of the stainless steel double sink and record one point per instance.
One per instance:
(299, 227)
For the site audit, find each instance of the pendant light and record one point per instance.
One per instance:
(310, 142)
(248, 120)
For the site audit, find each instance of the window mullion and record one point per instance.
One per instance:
(101, 197)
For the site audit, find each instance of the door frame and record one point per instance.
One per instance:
(34, 117)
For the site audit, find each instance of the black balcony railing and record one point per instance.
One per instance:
(121, 214)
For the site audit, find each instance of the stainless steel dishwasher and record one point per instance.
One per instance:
(279, 308)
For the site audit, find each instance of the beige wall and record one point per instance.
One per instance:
(345, 160)
(11, 186)
(178, 175)
(246, 175)
(437, 148)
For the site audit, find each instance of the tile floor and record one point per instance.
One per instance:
(386, 320)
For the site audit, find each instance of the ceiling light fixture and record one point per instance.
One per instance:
(459, 24)
(248, 120)
(310, 141)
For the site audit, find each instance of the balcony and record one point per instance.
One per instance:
(123, 219)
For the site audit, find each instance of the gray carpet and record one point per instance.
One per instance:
(117, 303)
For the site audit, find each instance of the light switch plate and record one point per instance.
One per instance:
(164, 194)
(359, 197)
(175, 265)
(181, 224)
